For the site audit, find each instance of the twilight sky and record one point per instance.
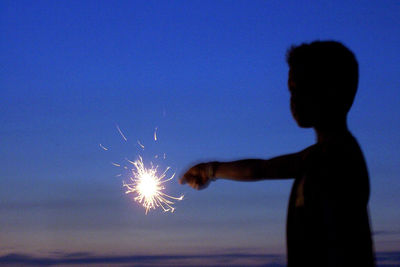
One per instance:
(211, 76)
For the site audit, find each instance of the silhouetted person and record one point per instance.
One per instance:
(327, 221)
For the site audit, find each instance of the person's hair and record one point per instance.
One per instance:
(332, 67)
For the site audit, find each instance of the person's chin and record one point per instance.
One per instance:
(301, 122)
(304, 123)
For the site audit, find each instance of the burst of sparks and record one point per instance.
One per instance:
(148, 185)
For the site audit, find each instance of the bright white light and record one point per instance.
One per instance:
(148, 185)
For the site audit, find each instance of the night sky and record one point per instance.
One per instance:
(212, 77)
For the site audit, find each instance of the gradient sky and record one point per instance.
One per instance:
(211, 75)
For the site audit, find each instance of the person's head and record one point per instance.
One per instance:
(323, 79)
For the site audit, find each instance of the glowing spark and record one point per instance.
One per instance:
(120, 132)
(148, 185)
(103, 147)
(140, 144)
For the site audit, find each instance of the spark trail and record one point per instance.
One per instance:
(120, 132)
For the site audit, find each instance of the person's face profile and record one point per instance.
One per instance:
(303, 104)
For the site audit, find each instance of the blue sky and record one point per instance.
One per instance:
(211, 76)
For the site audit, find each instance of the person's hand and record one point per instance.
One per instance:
(198, 176)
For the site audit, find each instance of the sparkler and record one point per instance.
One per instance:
(149, 186)
(148, 183)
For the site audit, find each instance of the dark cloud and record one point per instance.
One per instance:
(77, 255)
(57, 204)
(391, 258)
(385, 259)
(384, 232)
(262, 260)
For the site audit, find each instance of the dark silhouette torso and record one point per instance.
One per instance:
(328, 222)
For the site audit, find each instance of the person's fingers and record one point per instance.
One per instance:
(188, 179)
(195, 178)
(193, 181)
(182, 180)
(193, 184)
(198, 186)
(187, 176)
(202, 183)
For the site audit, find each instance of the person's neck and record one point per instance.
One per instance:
(331, 130)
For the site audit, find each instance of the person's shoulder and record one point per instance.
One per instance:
(310, 151)
(345, 150)
(339, 166)
(343, 147)
(338, 155)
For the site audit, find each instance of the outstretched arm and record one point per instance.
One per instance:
(247, 170)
